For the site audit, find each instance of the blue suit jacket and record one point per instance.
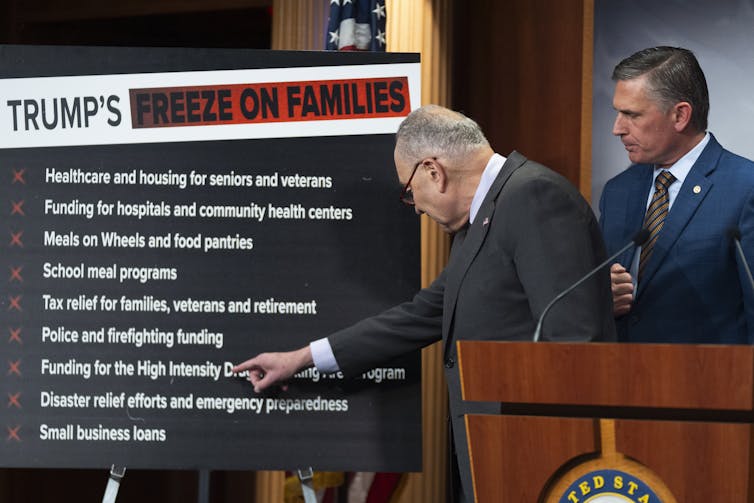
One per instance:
(694, 288)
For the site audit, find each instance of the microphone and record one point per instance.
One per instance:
(735, 235)
(639, 239)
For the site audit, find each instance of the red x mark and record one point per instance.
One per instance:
(18, 176)
(15, 335)
(15, 274)
(15, 303)
(13, 434)
(13, 400)
(13, 368)
(15, 239)
(18, 208)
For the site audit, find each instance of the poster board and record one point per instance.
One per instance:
(170, 212)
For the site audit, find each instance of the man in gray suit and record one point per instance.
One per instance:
(523, 234)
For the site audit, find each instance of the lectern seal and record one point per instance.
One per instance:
(609, 486)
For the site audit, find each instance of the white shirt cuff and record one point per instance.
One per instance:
(324, 358)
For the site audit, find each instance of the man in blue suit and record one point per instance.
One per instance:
(687, 283)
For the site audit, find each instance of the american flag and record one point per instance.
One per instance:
(356, 25)
(359, 25)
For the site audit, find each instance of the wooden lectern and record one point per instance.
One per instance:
(582, 419)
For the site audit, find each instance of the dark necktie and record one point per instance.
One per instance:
(655, 217)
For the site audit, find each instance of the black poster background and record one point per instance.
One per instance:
(351, 268)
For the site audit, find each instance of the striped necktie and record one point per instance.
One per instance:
(655, 217)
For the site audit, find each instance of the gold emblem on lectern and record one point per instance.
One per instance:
(606, 477)
(609, 486)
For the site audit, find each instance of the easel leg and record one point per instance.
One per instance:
(113, 483)
(306, 476)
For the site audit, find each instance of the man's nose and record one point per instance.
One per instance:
(619, 127)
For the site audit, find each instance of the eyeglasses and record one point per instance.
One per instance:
(407, 195)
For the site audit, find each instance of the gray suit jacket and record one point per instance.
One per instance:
(533, 236)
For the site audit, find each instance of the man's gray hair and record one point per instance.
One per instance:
(433, 130)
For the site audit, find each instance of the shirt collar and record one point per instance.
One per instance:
(494, 165)
(683, 165)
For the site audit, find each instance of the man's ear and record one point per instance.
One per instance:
(682, 115)
(437, 173)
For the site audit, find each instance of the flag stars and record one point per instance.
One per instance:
(356, 25)
(379, 12)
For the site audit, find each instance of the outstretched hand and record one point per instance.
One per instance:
(268, 369)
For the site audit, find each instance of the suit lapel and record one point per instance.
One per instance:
(693, 191)
(463, 253)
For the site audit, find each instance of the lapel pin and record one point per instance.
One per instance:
(697, 189)
(486, 221)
